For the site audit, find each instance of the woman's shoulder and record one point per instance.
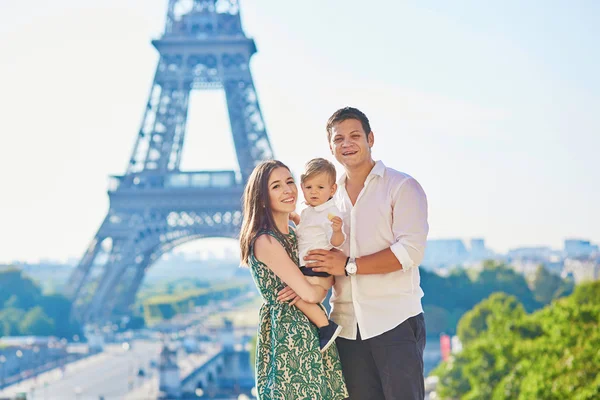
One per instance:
(271, 239)
(263, 239)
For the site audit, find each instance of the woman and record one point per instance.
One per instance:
(289, 364)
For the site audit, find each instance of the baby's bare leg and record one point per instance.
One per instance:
(325, 283)
(314, 312)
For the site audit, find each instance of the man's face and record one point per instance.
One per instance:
(318, 189)
(350, 144)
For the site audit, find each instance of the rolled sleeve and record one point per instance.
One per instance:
(402, 256)
(409, 225)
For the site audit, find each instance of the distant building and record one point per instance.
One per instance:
(444, 253)
(525, 267)
(579, 248)
(478, 251)
(536, 253)
(478, 246)
(582, 269)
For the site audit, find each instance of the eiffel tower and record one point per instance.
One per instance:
(155, 206)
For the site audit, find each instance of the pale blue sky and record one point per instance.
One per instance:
(492, 107)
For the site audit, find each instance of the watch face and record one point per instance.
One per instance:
(351, 267)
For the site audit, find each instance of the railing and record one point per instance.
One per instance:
(175, 180)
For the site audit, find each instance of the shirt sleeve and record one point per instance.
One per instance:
(409, 224)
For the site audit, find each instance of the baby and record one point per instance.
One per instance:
(319, 226)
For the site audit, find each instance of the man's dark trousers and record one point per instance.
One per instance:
(388, 366)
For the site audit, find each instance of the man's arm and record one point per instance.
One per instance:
(410, 229)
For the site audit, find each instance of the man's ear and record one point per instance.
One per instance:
(371, 139)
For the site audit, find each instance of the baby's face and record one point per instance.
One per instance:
(318, 189)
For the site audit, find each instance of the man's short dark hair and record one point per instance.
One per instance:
(348, 113)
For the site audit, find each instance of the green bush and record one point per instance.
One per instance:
(509, 354)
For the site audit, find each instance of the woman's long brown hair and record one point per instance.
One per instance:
(256, 207)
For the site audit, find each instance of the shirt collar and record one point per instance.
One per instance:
(378, 169)
(325, 205)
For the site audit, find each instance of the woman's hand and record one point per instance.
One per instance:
(288, 294)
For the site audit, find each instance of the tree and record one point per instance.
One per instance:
(548, 286)
(9, 321)
(20, 290)
(58, 308)
(549, 354)
(437, 320)
(495, 277)
(480, 318)
(37, 323)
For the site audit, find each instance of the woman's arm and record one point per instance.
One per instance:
(269, 251)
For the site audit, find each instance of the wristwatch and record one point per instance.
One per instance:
(351, 266)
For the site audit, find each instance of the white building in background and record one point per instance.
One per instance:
(441, 253)
(525, 267)
(575, 248)
(479, 252)
(447, 253)
(535, 253)
(582, 269)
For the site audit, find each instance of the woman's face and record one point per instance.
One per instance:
(283, 192)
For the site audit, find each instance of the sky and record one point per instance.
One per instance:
(492, 107)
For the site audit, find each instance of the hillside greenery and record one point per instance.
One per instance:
(166, 306)
(25, 310)
(509, 353)
(447, 299)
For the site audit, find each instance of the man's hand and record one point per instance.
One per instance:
(336, 224)
(331, 261)
(288, 294)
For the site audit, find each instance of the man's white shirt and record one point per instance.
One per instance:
(390, 211)
(314, 231)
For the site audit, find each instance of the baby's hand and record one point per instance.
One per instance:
(336, 224)
(294, 217)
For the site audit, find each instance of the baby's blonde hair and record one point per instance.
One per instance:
(318, 166)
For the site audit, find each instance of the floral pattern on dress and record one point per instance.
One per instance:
(289, 364)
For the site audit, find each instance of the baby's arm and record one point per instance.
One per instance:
(337, 236)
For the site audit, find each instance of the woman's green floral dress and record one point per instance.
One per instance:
(289, 364)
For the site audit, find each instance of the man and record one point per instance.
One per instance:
(377, 294)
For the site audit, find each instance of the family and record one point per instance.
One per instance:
(363, 236)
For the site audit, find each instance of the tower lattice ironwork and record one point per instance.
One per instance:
(155, 206)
